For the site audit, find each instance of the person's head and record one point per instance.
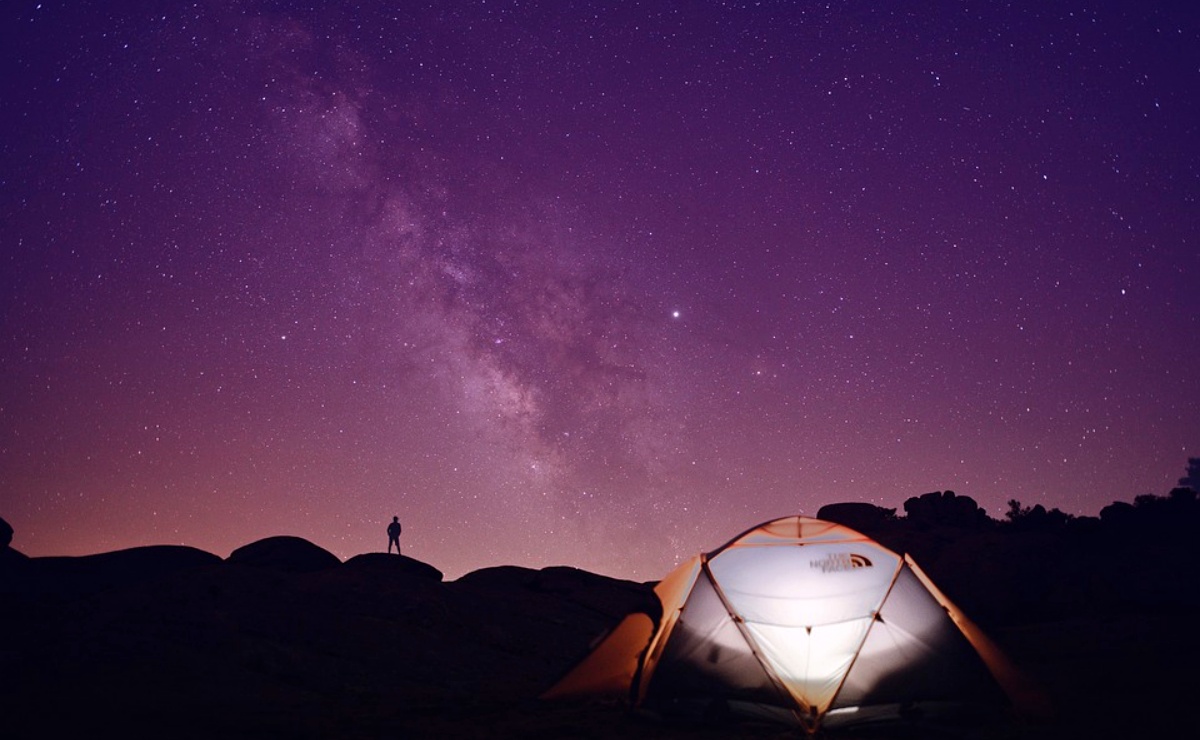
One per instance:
(395, 519)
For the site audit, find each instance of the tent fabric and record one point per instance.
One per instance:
(709, 655)
(804, 621)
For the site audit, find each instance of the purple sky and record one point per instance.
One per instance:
(598, 284)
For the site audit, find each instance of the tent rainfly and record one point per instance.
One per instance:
(803, 621)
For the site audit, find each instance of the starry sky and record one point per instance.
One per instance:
(589, 283)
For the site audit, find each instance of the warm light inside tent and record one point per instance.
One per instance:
(811, 663)
(806, 607)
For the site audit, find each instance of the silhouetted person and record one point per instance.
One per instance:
(394, 534)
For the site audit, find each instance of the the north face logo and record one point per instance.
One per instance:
(840, 561)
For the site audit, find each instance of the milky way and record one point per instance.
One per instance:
(599, 284)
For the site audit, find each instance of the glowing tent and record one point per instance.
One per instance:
(804, 621)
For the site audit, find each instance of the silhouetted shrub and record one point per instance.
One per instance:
(1118, 514)
(1036, 519)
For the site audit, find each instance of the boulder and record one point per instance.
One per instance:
(384, 564)
(121, 568)
(285, 553)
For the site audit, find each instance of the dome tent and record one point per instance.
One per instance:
(803, 621)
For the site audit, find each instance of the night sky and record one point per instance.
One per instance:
(596, 284)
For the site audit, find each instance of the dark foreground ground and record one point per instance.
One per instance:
(283, 640)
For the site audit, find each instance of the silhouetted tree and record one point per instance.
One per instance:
(1192, 479)
(1015, 510)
